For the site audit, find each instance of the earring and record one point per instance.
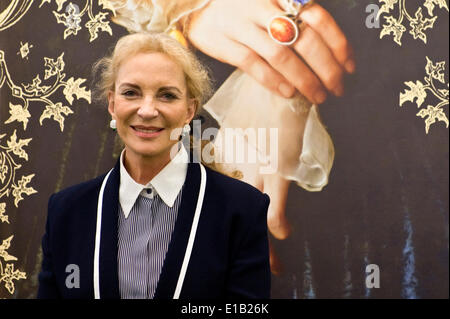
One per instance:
(113, 124)
(185, 131)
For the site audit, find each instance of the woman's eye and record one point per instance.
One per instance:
(129, 93)
(168, 96)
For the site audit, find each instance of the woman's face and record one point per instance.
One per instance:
(150, 101)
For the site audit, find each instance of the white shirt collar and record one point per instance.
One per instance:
(167, 183)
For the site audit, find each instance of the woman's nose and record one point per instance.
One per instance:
(148, 109)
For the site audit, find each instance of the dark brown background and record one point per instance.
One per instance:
(387, 200)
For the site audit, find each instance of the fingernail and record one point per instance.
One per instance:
(286, 90)
(320, 97)
(350, 66)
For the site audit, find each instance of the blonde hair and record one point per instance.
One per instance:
(198, 82)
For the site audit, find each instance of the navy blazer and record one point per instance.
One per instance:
(230, 256)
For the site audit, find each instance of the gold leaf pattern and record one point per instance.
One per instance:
(430, 4)
(4, 246)
(387, 6)
(4, 170)
(56, 111)
(16, 146)
(40, 90)
(71, 20)
(418, 24)
(73, 87)
(60, 4)
(418, 92)
(19, 114)
(432, 114)
(436, 70)
(54, 67)
(14, 149)
(44, 1)
(35, 87)
(97, 23)
(22, 188)
(394, 27)
(9, 274)
(73, 16)
(8, 168)
(3, 217)
(106, 4)
(35, 91)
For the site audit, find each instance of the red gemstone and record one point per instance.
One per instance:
(282, 29)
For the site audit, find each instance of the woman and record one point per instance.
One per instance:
(155, 226)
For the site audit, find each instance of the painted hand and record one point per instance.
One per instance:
(235, 32)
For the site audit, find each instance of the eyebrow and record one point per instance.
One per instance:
(135, 86)
(171, 88)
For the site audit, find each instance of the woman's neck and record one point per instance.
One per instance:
(143, 168)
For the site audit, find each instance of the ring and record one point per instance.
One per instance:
(283, 29)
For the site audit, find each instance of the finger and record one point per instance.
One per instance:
(285, 62)
(250, 62)
(324, 24)
(276, 267)
(277, 189)
(229, 51)
(321, 60)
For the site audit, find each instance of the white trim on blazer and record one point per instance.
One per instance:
(189, 247)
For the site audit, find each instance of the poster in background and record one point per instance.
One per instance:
(384, 210)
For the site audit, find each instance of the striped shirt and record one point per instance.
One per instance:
(142, 245)
(147, 216)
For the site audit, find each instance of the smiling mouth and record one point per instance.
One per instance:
(147, 129)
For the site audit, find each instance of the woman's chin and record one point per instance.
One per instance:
(153, 151)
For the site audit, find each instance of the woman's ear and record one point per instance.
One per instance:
(192, 108)
(111, 103)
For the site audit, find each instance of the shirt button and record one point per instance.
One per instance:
(149, 191)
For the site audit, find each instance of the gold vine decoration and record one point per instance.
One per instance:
(7, 272)
(418, 92)
(41, 91)
(73, 17)
(8, 168)
(12, 147)
(418, 24)
(13, 13)
(10, 185)
(38, 92)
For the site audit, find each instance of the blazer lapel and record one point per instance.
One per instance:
(180, 236)
(109, 281)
